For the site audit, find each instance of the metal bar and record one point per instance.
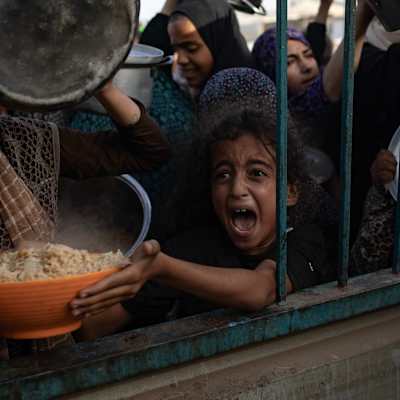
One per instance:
(282, 110)
(346, 142)
(129, 354)
(396, 244)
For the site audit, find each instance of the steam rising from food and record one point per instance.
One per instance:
(98, 215)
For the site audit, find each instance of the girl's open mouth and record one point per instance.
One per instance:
(243, 219)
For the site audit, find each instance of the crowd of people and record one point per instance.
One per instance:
(205, 150)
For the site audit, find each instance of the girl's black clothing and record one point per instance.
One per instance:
(307, 266)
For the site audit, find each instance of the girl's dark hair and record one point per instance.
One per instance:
(190, 204)
(264, 128)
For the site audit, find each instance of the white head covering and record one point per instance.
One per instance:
(379, 37)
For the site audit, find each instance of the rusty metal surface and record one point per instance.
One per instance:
(126, 355)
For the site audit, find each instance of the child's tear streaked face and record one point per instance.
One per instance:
(243, 182)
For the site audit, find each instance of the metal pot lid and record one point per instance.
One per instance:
(56, 53)
(142, 54)
(248, 6)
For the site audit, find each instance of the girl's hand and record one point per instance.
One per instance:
(120, 286)
(383, 169)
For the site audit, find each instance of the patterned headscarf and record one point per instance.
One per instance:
(305, 107)
(264, 50)
(236, 87)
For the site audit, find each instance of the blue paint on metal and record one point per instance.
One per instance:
(127, 355)
(346, 141)
(396, 243)
(282, 109)
(117, 358)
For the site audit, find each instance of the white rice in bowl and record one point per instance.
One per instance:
(54, 261)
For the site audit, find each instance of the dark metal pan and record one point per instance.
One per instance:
(248, 6)
(388, 12)
(56, 53)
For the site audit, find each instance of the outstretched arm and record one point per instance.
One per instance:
(323, 11)
(121, 108)
(138, 146)
(249, 290)
(333, 73)
(316, 31)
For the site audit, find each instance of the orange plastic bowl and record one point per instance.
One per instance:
(40, 309)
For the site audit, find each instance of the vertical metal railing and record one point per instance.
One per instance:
(396, 243)
(282, 124)
(346, 142)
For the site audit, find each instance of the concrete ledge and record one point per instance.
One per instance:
(354, 359)
(131, 354)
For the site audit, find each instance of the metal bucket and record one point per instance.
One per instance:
(56, 53)
(103, 214)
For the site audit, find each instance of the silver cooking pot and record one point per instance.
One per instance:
(103, 214)
(57, 53)
(137, 83)
(248, 6)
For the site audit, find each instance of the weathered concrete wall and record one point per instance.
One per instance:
(353, 359)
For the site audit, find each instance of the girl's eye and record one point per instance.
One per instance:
(192, 49)
(257, 173)
(221, 176)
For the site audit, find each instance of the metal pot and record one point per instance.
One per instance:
(57, 53)
(388, 12)
(248, 6)
(103, 214)
(136, 83)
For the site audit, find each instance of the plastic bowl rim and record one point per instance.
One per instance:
(34, 282)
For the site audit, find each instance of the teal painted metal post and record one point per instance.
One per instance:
(396, 250)
(282, 107)
(346, 142)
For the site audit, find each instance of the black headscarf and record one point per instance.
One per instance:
(216, 22)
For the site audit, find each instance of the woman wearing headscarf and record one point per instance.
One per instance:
(205, 38)
(310, 90)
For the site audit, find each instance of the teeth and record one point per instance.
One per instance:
(241, 210)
